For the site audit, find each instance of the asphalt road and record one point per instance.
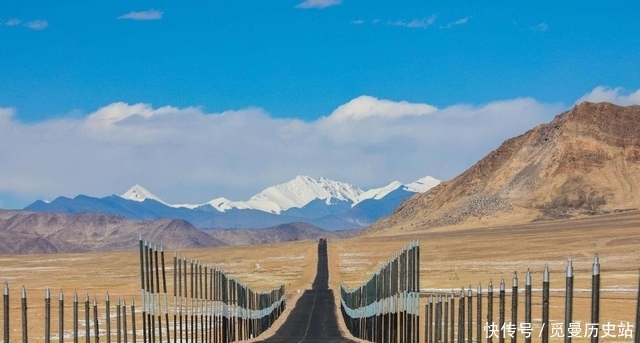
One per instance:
(313, 319)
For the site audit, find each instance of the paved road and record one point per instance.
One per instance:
(313, 319)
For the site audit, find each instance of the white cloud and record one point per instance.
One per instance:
(376, 21)
(457, 22)
(13, 22)
(357, 22)
(142, 15)
(188, 155)
(416, 23)
(541, 27)
(616, 96)
(318, 3)
(364, 107)
(37, 24)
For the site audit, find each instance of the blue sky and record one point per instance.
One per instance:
(291, 64)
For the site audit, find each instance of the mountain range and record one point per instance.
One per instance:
(586, 161)
(327, 204)
(24, 232)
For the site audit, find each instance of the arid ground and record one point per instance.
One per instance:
(450, 259)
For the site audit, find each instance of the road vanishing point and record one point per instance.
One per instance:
(313, 319)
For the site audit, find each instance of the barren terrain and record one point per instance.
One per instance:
(473, 254)
(452, 258)
(585, 161)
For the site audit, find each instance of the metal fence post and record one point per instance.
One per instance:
(479, 314)
(60, 318)
(75, 317)
(489, 310)
(527, 304)
(514, 305)
(595, 296)
(545, 305)
(96, 329)
(25, 338)
(5, 300)
(637, 338)
(502, 314)
(461, 317)
(47, 316)
(445, 325)
(107, 310)
(452, 317)
(470, 315)
(568, 307)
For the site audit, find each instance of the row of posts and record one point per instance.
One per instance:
(121, 330)
(440, 318)
(208, 305)
(386, 307)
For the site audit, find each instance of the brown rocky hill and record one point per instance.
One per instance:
(279, 233)
(585, 161)
(23, 232)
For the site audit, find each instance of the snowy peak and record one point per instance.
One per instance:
(378, 193)
(223, 204)
(424, 184)
(419, 186)
(301, 191)
(139, 193)
(298, 192)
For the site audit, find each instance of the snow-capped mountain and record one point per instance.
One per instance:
(379, 193)
(296, 193)
(328, 204)
(301, 191)
(139, 193)
(424, 184)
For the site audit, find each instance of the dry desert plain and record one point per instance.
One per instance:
(474, 254)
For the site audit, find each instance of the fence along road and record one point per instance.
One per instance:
(313, 319)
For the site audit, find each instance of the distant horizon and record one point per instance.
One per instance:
(197, 99)
(149, 189)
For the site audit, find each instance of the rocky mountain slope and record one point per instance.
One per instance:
(280, 233)
(23, 232)
(585, 161)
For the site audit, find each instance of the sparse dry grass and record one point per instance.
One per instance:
(262, 268)
(480, 255)
(477, 255)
